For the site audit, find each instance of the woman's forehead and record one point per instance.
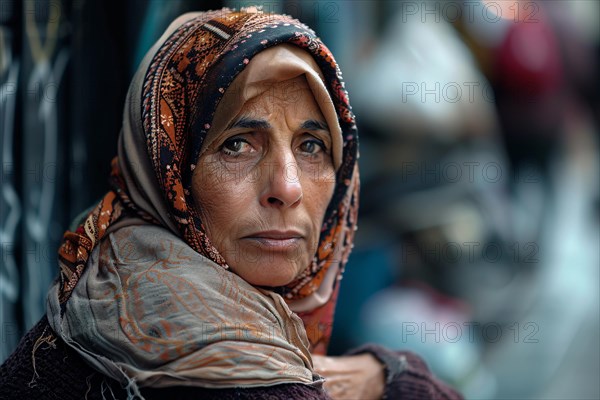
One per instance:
(290, 95)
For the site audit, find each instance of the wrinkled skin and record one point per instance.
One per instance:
(351, 377)
(263, 185)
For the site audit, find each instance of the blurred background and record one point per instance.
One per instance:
(478, 244)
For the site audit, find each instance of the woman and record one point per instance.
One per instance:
(235, 188)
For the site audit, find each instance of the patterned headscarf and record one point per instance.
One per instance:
(170, 108)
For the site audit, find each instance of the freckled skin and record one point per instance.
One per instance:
(273, 178)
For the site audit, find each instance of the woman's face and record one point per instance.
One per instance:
(262, 187)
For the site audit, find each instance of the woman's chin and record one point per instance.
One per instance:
(271, 274)
(267, 265)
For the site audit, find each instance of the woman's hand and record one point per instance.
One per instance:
(360, 376)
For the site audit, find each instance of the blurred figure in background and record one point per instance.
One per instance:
(542, 58)
(482, 207)
(435, 191)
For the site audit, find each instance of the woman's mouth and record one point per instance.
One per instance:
(275, 240)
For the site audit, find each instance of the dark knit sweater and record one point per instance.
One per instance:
(44, 367)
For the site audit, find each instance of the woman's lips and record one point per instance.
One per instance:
(276, 240)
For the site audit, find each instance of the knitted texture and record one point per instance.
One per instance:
(44, 367)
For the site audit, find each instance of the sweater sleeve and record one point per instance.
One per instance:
(407, 376)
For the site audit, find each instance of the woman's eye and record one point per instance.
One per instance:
(312, 146)
(235, 146)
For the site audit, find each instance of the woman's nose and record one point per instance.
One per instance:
(282, 187)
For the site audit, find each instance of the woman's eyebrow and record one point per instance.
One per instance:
(249, 123)
(314, 125)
